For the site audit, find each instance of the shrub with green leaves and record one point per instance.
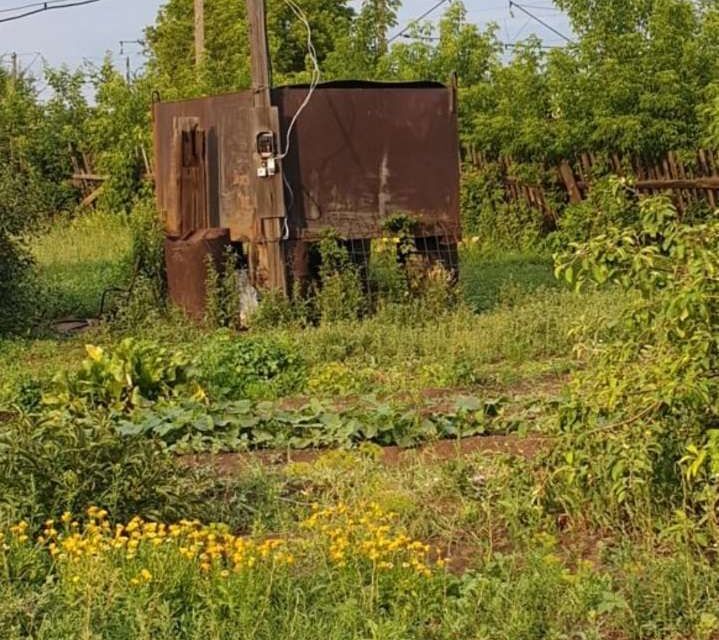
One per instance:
(638, 432)
(232, 366)
(497, 224)
(340, 296)
(22, 201)
(60, 463)
(119, 379)
(606, 205)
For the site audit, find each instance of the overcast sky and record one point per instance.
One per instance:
(72, 35)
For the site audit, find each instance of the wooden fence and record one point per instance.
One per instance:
(688, 180)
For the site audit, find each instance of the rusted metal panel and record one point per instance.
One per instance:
(227, 121)
(186, 261)
(362, 152)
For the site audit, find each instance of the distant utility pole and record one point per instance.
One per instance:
(15, 68)
(199, 32)
(128, 65)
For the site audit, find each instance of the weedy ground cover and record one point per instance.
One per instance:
(78, 259)
(347, 548)
(107, 533)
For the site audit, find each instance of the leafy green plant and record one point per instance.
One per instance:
(496, 225)
(607, 205)
(235, 366)
(238, 426)
(340, 295)
(278, 310)
(22, 201)
(133, 372)
(222, 292)
(650, 392)
(148, 245)
(61, 463)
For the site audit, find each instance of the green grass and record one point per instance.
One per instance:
(488, 279)
(78, 258)
(514, 341)
(384, 355)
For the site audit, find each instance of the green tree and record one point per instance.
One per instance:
(226, 68)
(634, 79)
(361, 52)
(117, 134)
(61, 131)
(25, 195)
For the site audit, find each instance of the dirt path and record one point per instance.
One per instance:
(526, 447)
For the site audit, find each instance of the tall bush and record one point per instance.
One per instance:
(640, 434)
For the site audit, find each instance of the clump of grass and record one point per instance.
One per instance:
(78, 258)
(485, 278)
(459, 347)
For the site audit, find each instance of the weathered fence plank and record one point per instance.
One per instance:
(670, 175)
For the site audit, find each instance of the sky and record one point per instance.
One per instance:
(86, 33)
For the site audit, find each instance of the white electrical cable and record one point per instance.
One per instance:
(316, 74)
(289, 206)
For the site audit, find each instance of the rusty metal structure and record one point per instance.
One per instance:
(359, 154)
(187, 261)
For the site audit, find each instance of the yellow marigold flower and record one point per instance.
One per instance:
(19, 528)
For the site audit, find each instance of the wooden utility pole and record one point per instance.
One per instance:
(199, 32)
(15, 70)
(270, 204)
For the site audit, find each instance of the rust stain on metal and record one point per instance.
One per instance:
(227, 122)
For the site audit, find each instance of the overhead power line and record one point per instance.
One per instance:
(31, 5)
(546, 25)
(40, 7)
(508, 45)
(407, 27)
